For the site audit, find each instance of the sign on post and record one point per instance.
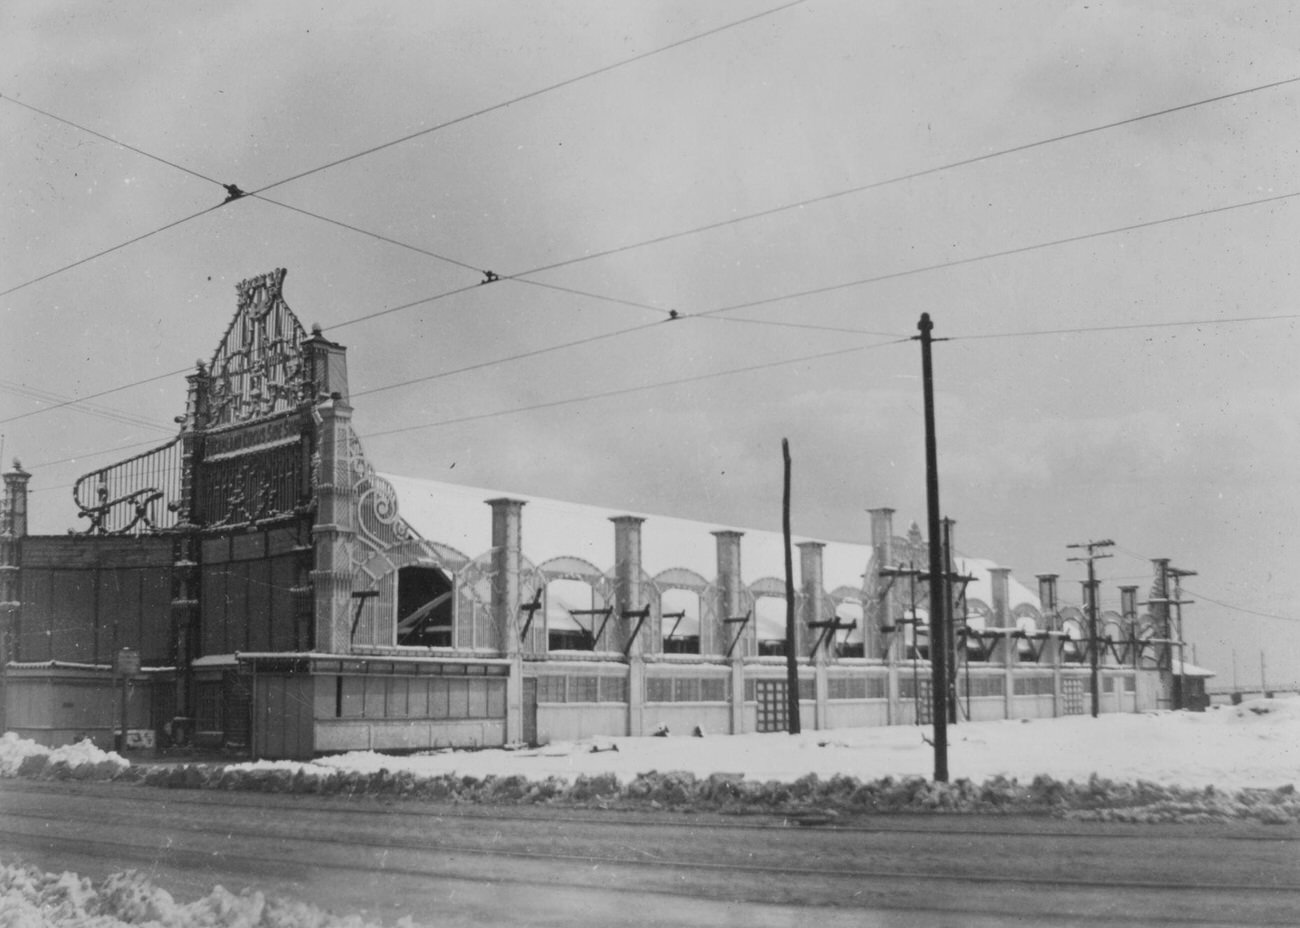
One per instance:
(126, 664)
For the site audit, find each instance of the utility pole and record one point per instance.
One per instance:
(791, 656)
(950, 601)
(938, 587)
(1180, 692)
(1091, 557)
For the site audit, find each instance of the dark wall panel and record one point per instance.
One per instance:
(212, 604)
(36, 618)
(259, 605)
(284, 574)
(73, 616)
(156, 617)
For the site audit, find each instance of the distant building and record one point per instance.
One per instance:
(285, 600)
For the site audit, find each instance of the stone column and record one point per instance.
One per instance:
(13, 528)
(813, 611)
(1128, 609)
(507, 554)
(629, 597)
(730, 605)
(1047, 600)
(880, 613)
(333, 535)
(327, 366)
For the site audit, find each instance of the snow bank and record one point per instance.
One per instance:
(1254, 745)
(30, 898)
(82, 760)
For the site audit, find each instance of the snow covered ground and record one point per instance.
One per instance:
(1254, 745)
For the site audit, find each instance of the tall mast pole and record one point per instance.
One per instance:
(938, 588)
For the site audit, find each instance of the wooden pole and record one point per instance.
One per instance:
(938, 588)
(791, 655)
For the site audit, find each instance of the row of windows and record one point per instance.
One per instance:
(982, 686)
(374, 697)
(581, 688)
(1033, 686)
(1129, 684)
(807, 689)
(686, 689)
(857, 687)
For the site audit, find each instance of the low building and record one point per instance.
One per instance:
(255, 585)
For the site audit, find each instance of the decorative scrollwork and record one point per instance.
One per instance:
(123, 498)
(259, 369)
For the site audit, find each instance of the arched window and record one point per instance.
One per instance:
(680, 625)
(850, 642)
(425, 601)
(769, 619)
(1073, 645)
(571, 622)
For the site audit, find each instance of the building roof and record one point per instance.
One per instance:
(457, 516)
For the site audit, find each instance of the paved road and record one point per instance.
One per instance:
(450, 865)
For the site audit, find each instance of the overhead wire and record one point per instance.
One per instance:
(640, 388)
(567, 82)
(1004, 253)
(104, 412)
(519, 276)
(1208, 599)
(1123, 327)
(901, 178)
(234, 193)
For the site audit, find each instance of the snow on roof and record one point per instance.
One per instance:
(457, 515)
(981, 587)
(1187, 669)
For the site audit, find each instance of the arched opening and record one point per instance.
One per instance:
(769, 619)
(571, 621)
(425, 601)
(850, 642)
(680, 622)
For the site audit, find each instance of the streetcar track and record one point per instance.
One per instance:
(141, 852)
(784, 869)
(776, 820)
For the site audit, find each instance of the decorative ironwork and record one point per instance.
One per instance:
(259, 369)
(133, 497)
(251, 488)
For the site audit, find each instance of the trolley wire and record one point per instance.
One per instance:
(640, 388)
(915, 175)
(567, 82)
(1004, 253)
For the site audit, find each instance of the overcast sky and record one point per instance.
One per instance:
(748, 164)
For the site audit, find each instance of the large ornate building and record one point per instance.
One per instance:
(257, 586)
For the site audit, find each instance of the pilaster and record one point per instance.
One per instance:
(334, 534)
(730, 605)
(507, 548)
(882, 614)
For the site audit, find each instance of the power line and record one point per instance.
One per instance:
(106, 251)
(1024, 249)
(506, 360)
(235, 193)
(109, 138)
(637, 389)
(1121, 327)
(374, 235)
(1209, 599)
(106, 412)
(915, 175)
(530, 95)
(1262, 615)
(92, 396)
